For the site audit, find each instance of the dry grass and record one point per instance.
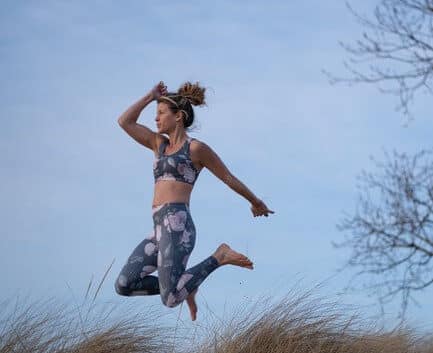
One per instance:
(301, 323)
(298, 323)
(50, 327)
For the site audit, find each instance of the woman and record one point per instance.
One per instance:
(178, 162)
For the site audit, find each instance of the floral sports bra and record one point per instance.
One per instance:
(177, 166)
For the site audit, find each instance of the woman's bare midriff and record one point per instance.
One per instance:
(171, 191)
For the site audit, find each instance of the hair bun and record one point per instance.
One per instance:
(193, 92)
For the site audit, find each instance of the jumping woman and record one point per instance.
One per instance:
(178, 162)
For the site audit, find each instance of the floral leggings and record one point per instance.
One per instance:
(167, 250)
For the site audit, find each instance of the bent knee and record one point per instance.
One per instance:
(170, 301)
(121, 288)
(170, 304)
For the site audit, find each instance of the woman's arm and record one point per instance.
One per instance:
(209, 159)
(128, 120)
(131, 114)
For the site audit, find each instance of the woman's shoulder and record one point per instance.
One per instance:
(200, 149)
(196, 143)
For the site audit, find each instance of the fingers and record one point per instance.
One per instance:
(261, 209)
(265, 212)
(162, 88)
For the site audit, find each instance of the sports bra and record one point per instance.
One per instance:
(177, 166)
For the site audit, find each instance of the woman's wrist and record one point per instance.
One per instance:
(255, 200)
(143, 102)
(149, 97)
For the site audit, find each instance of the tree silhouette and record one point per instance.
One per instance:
(395, 51)
(391, 232)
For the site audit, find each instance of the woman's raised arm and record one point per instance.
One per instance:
(128, 120)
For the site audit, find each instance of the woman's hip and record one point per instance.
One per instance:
(168, 207)
(173, 219)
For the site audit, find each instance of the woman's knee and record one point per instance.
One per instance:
(168, 303)
(121, 286)
(173, 299)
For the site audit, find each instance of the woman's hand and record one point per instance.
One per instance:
(258, 208)
(159, 90)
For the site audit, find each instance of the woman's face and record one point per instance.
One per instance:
(165, 119)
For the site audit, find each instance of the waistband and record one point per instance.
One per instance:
(170, 205)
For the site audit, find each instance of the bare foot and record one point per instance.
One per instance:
(225, 255)
(190, 299)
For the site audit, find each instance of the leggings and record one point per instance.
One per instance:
(167, 250)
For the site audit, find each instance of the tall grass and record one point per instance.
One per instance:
(303, 323)
(44, 327)
(299, 323)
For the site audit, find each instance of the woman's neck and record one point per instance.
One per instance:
(177, 137)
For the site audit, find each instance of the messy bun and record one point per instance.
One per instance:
(193, 92)
(186, 96)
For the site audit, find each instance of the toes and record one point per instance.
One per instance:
(241, 257)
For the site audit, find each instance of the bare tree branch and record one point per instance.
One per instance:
(391, 232)
(398, 44)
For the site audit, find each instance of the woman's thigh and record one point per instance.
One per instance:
(177, 240)
(142, 261)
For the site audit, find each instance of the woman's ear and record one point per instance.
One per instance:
(179, 116)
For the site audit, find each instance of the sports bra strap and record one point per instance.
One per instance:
(188, 145)
(162, 147)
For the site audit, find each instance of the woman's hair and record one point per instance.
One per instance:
(186, 96)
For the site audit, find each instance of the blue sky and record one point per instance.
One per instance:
(77, 191)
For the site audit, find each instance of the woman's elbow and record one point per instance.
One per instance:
(120, 121)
